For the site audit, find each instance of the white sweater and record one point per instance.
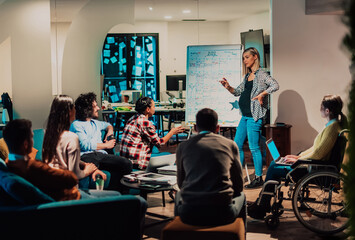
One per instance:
(68, 154)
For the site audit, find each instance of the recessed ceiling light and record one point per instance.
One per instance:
(150, 8)
(168, 17)
(186, 11)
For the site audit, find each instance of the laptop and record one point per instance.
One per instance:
(150, 173)
(160, 161)
(275, 154)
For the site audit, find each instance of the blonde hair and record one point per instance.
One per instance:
(256, 65)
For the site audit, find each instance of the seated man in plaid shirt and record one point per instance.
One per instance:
(139, 135)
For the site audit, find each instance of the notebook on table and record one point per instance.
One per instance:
(168, 170)
(275, 154)
(155, 163)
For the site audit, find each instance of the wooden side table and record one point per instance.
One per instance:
(281, 134)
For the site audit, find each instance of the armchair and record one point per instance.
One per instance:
(27, 212)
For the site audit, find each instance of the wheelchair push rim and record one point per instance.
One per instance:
(319, 203)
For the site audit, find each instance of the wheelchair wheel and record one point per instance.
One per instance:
(318, 202)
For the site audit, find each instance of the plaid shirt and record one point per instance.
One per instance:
(138, 138)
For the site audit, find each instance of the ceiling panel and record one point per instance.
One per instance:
(157, 10)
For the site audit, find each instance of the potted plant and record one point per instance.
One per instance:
(349, 167)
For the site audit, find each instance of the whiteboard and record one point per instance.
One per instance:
(206, 65)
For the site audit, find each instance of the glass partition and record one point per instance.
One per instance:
(129, 62)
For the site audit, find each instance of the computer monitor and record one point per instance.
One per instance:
(172, 82)
(130, 96)
(254, 38)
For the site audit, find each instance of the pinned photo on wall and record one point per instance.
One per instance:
(110, 40)
(112, 89)
(114, 98)
(107, 53)
(150, 70)
(113, 59)
(137, 85)
(137, 71)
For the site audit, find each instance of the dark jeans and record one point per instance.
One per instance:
(276, 172)
(210, 215)
(117, 166)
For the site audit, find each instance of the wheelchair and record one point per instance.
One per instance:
(317, 197)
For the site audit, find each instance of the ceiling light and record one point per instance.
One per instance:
(168, 17)
(194, 20)
(186, 11)
(150, 8)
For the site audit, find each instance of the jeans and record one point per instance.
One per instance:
(87, 194)
(117, 166)
(276, 171)
(248, 127)
(210, 215)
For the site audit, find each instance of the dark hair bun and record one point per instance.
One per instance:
(142, 104)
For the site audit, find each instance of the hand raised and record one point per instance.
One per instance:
(225, 83)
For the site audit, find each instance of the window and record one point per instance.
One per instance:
(130, 62)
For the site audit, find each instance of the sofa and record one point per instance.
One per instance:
(26, 212)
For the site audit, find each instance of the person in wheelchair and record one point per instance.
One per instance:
(331, 110)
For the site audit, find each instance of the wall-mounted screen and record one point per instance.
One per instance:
(172, 82)
(254, 38)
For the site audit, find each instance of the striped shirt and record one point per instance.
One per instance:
(262, 82)
(138, 138)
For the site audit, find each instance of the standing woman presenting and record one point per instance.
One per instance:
(257, 84)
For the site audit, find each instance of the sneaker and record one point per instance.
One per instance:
(257, 182)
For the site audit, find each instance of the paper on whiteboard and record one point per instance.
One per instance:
(206, 65)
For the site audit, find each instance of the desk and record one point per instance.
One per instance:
(117, 117)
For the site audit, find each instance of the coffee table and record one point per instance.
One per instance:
(151, 188)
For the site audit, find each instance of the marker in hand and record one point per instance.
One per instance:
(224, 83)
